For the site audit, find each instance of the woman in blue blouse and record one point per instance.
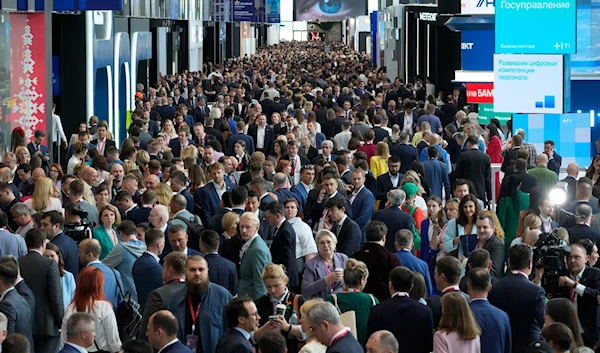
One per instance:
(67, 280)
(468, 209)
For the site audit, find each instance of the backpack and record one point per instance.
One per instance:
(415, 231)
(129, 318)
(193, 231)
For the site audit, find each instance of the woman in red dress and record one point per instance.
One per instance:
(494, 146)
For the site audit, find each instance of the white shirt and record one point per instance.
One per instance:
(107, 334)
(168, 344)
(395, 179)
(154, 255)
(58, 129)
(260, 137)
(220, 190)
(247, 245)
(305, 242)
(580, 288)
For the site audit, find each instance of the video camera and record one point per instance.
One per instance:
(551, 253)
(79, 231)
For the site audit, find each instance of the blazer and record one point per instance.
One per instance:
(554, 163)
(495, 327)
(449, 342)
(362, 209)
(437, 175)
(18, 313)
(43, 149)
(571, 186)
(267, 199)
(176, 347)
(407, 154)
(147, 276)
(208, 200)
(70, 252)
(301, 194)
(234, 342)
(582, 231)
(349, 237)
(409, 321)
(200, 115)
(27, 294)
(395, 219)
(175, 145)
(380, 134)
(12, 244)
(413, 263)
(256, 257)
(284, 194)
(269, 138)
(41, 275)
(475, 166)
(109, 144)
(435, 303)
(111, 288)
(384, 184)
(235, 138)
(525, 304)
(159, 299)
(211, 314)
(495, 247)
(313, 278)
(283, 251)
(67, 348)
(222, 272)
(381, 262)
(104, 239)
(345, 344)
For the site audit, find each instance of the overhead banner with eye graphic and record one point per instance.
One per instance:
(328, 10)
(273, 12)
(243, 11)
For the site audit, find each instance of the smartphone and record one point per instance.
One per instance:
(273, 317)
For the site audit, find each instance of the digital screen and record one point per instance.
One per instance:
(329, 10)
(316, 36)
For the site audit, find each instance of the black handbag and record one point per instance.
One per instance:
(129, 318)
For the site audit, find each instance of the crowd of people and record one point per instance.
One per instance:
(297, 200)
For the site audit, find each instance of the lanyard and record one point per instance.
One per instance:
(351, 290)
(338, 337)
(400, 294)
(328, 272)
(194, 315)
(101, 148)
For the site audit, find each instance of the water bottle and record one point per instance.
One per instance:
(293, 318)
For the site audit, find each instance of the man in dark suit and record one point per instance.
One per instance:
(394, 217)
(582, 286)
(210, 129)
(242, 319)
(378, 259)
(493, 322)
(146, 271)
(523, 301)
(361, 201)
(80, 333)
(490, 242)
(200, 137)
(222, 271)
(42, 276)
(162, 333)
(315, 208)
(474, 165)
(23, 289)
(36, 148)
(380, 133)
(13, 305)
(181, 142)
(571, 181)
(173, 276)
(259, 186)
(449, 109)
(178, 185)
(388, 181)
(405, 151)
(409, 321)
(582, 229)
(208, 197)
(554, 159)
(327, 148)
(177, 238)
(140, 214)
(297, 161)
(102, 142)
(307, 177)
(528, 182)
(262, 135)
(240, 135)
(479, 258)
(348, 233)
(52, 224)
(279, 189)
(201, 111)
(326, 325)
(447, 276)
(283, 248)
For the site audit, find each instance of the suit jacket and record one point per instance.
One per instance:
(208, 201)
(436, 175)
(109, 143)
(395, 219)
(475, 166)
(435, 303)
(200, 115)
(147, 276)
(410, 322)
(237, 137)
(407, 154)
(70, 252)
(252, 263)
(222, 272)
(571, 186)
(211, 311)
(582, 231)
(267, 199)
(159, 299)
(384, 184)
(380, 261)
(190, 199)
(269, 138)
(283, 251)
(41, 275)
(495, 327)
(525, 304)
(362, 209)
(26, 293)
(316, 159)
(176, 347)
(216, 222)
(349, 237)
(67, 348)
(380, 134)
(313, 282)
(139, 215)
(587, 310)
(345, 344)
(18, 313)
(234, 342)
(495, 247)
(554, 163)
(449, 111)
(175, 146)
(301, 194)
(413, 263)
(31, 149)
(313, 210)
(284, 194)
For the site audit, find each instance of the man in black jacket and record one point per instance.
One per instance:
(12, 304)
(242, 318)
(283, 248)
(474, 165)
(447, 276)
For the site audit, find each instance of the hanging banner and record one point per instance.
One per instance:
(243, 11)
(273, 11)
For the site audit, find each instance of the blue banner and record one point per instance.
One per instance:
(55, 76)
(524, 27)
(243, 11)
(273, 11)
(477, 50)
(84, 5)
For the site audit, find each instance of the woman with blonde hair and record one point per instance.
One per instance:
(106, 232)
(215, 113)
(43, 199)
(379, 162)
(190, 151)
(412, 177)
(168, 130)
(418, 137)
(142, 158)
(312, 344)
(163, 194)
(129, 166)
(458, 331)
(23, 155)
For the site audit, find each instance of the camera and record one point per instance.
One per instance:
(551, 253)
(79, 231)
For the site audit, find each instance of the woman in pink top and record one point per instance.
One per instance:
(458, 331)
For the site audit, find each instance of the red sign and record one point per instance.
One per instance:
(480, 93)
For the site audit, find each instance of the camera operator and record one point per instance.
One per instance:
(75, 226)
(582, 287)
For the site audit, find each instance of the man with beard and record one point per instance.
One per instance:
(200, 302)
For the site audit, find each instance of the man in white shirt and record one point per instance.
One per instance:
(58, 133)
(341, 140)
(81, 333)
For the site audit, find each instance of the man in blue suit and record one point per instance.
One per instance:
(327, 147)
(209, 196)
(52, 224)
(181, 142)
(178, 181)
(307, 177)
(222, 271)
(279, 189)
(405, 151)
(89, 255)
(162, 333)
(259, 186)
(523, 301)
(146, 271)
(80, 333)
(35, 147)
(493, 322)
(140, 214)
(394, 217)
(404, 245)
(388, 181)
(12, 304)
(240, 135)
(362, 201)
(436, 173)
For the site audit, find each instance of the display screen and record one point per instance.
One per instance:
(329, 10)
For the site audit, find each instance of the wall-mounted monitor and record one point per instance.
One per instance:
(328, 10)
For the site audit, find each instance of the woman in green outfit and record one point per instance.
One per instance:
(106, 232)
(353, 299)
(509, 208)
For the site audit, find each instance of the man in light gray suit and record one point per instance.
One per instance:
(10, 244)
(12, 304)
(76, 195)
(255, 256)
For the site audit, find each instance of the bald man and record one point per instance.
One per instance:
(151, 182)
(571, 180)
(37, 174)
(89, 255)
(382, 341)
(546, 178)
(162, 333)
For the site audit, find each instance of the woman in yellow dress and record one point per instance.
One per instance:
(379, 162)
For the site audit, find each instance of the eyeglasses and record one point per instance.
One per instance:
(307, 166)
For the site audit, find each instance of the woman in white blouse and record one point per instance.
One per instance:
(43, 199)
(89, 298)
(306, 248)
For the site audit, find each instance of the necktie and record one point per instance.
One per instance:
(336, 229)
